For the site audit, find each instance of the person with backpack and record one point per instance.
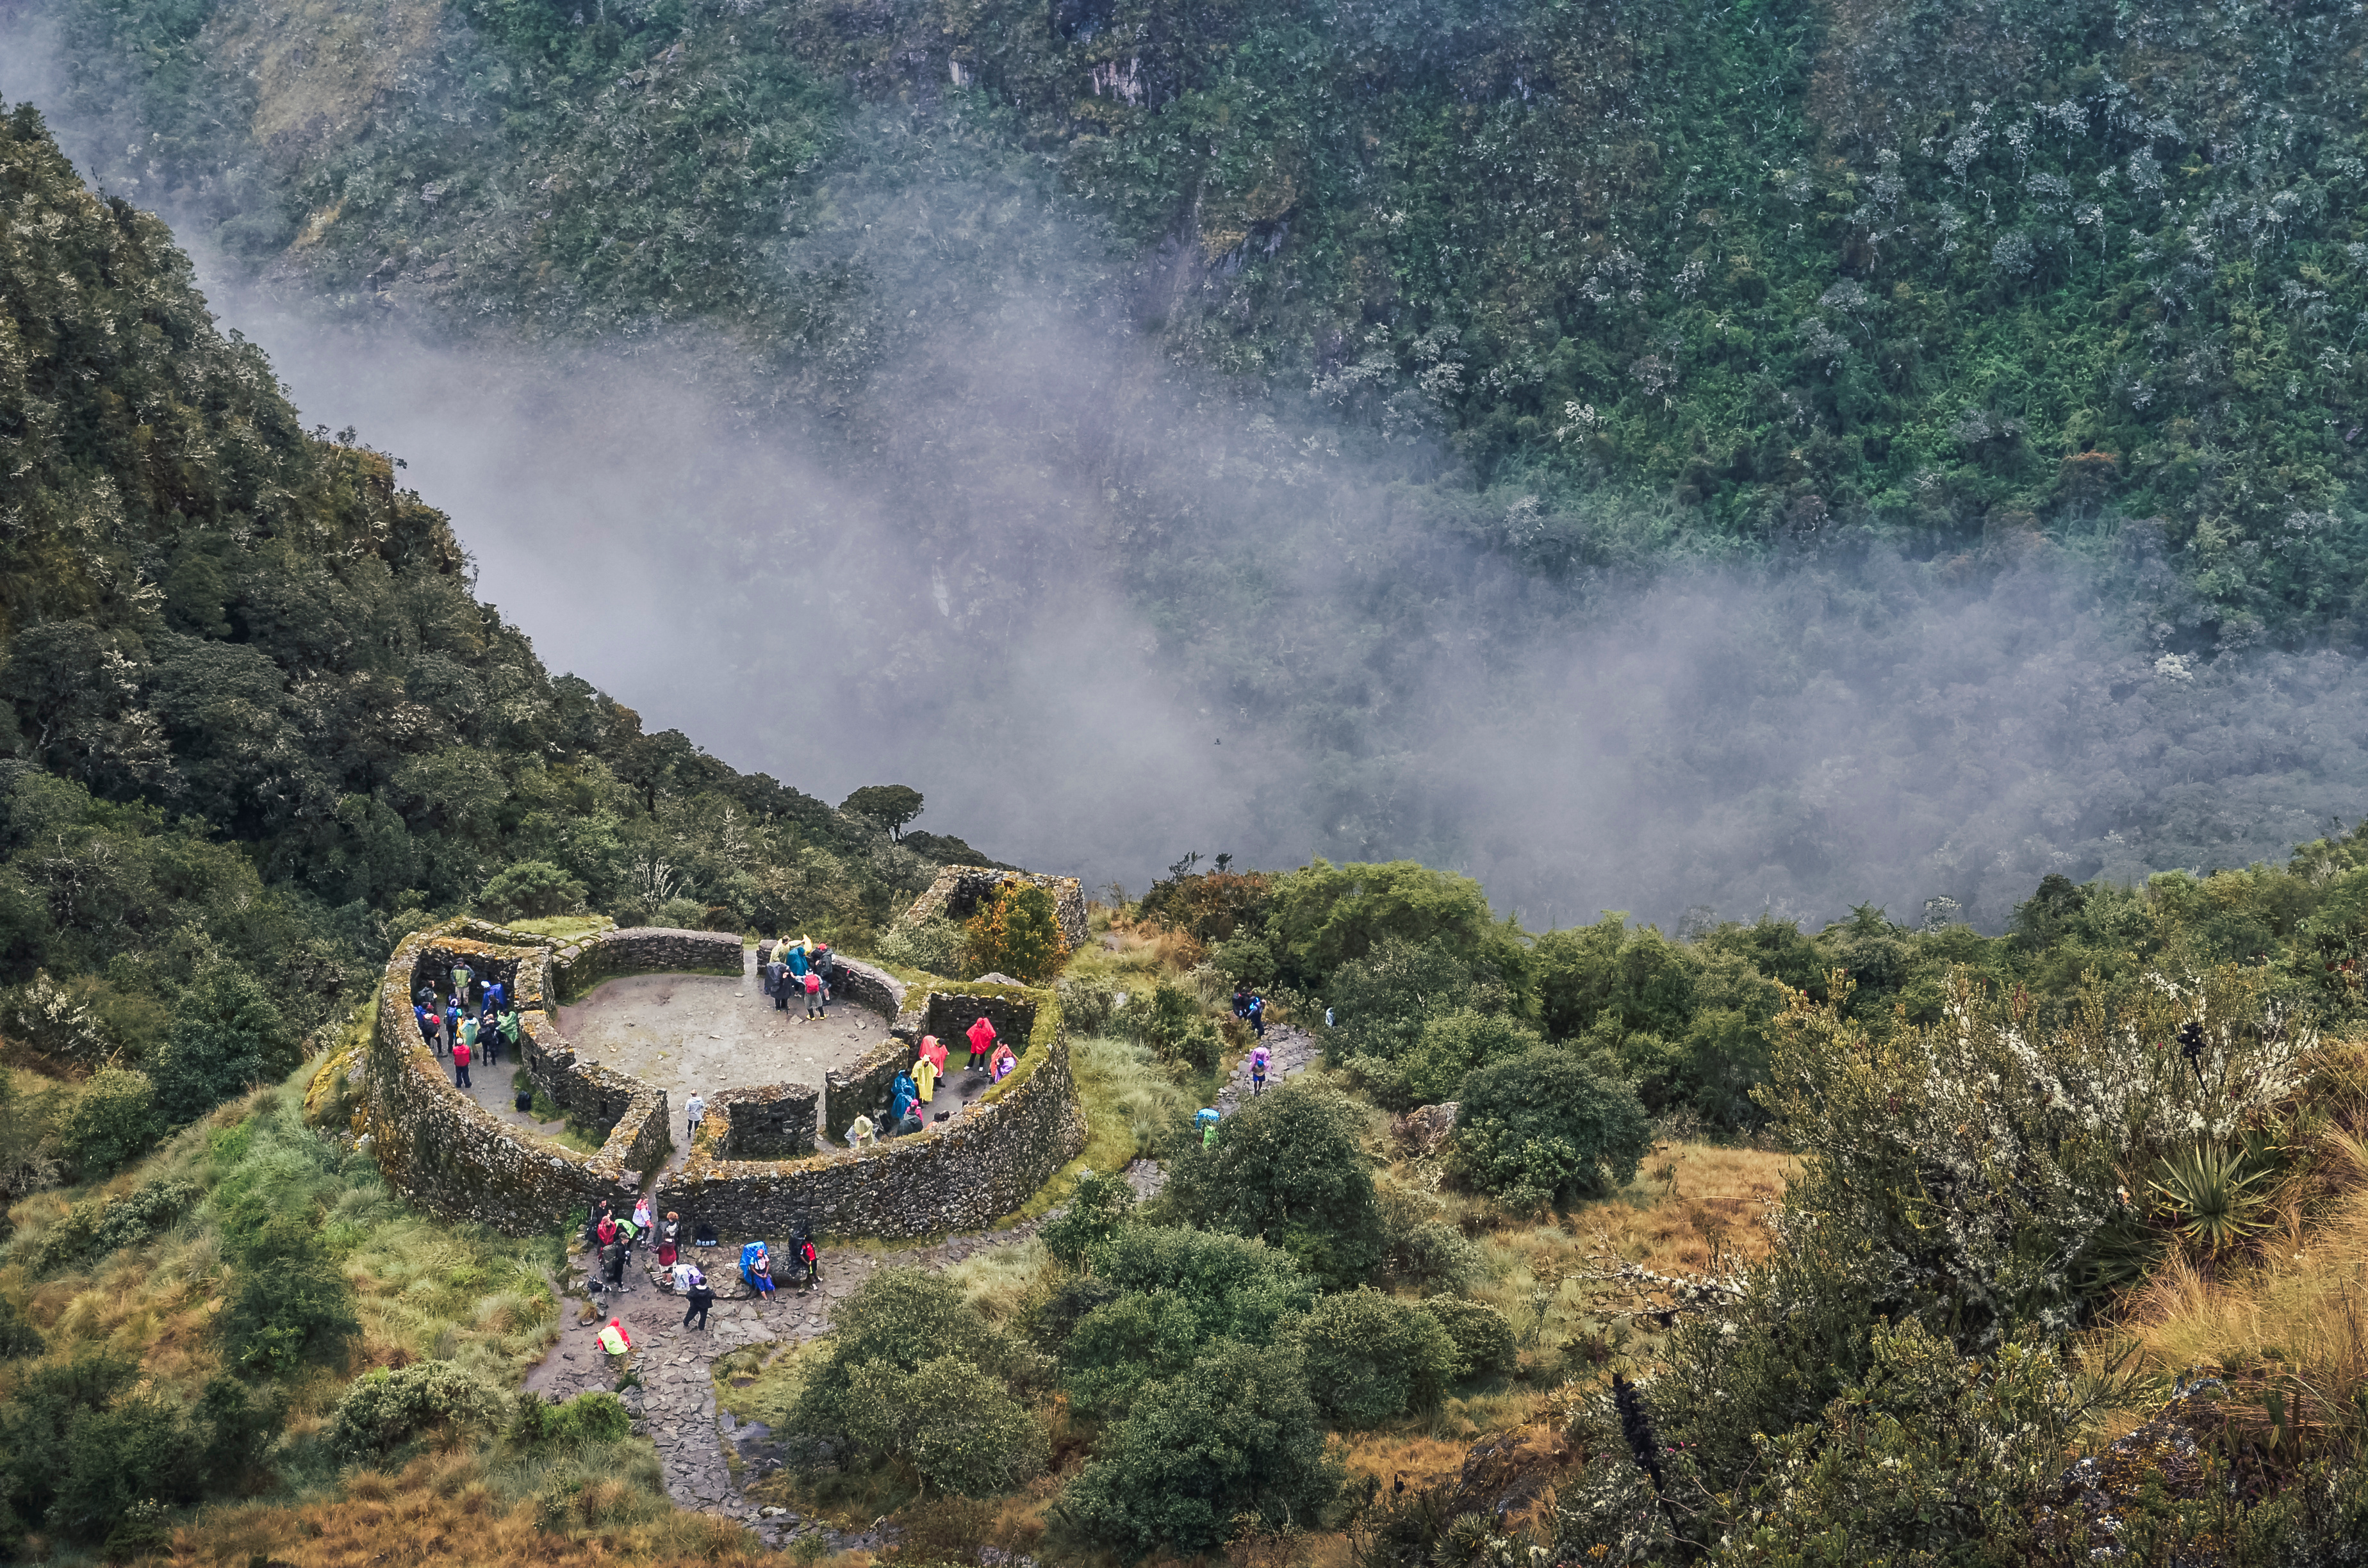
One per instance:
(756, 1269)
(617, 1344)
(468, 1033)
(612, 1265)
(461, 1054)
(697, 1295)
(814, 1007)
(777, 980)
(810, 1263)
(823, 966)
(430, 1023)
(1257, 1015)
(506, 1030)
(1000, 1066)
(452, 1023)
(796, 959)
(1207, 1116)
(1258, 1068)
(903, 1095)
(982, 1041)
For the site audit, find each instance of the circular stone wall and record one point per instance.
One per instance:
(753, 1169)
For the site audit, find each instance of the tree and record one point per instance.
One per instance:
(1321, 916)
(1545, 1129)
(294, 1304)
(890, 805)
(1237, 1434)
(1370, 1357)
(530, 890)
(112, 1121)
(1288, 1168)
(957, 1426)
(226, 1035)
(1019, 934)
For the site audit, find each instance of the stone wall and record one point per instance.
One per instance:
(863, 1086)
(956, 1174)
(775, 1122)
(857, 982)
(957, 893)
(949, 1015)
(446, 1153)
(577, 966)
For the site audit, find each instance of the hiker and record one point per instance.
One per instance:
(452, 1023)
(811, 1262)
(982, 1038)
(1327, 1018)
(673, 1228)
(604, 1227)
(903, 1095)
(1241, 1001)
(756, 1269)
(429, 1023)
(428, 995)
(1257, 1069)
(796, 959)
(1207, 1118)
(699, 1296)
(999, 1066)
(814, 996)
(777, 981)
(506, 1030)
(461, 977)
(685, 1271)
(592, 1224)
(496, 995)
(617, 1344)
(1256, 1015)
(697, 1109)
(645, 1221)
(469, 1032)
(461, 1066)
(925, 1068)
(824, 965)
(667, 1252)
(860, 1133)
(612, 1265)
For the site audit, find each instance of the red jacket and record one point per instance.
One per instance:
(981, 1035)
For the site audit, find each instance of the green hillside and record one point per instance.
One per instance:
(1764, 274)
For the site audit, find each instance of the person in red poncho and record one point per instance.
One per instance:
(982, 1041)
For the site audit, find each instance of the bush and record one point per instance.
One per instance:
(1543, 1129)
(1483, 1339)
(18, 1337)
(1321, 916)
(1169, 1020)
(1086, 1006)
(44, 1402)
(596, 1417)
(1159, 1296)
(933, 946)
(1423, 1250)
(1288, 1166)
(1016, 933)
(530, 890)
(99, 1225)
(140, 1447)
(1237, 1434)
(957, 1427)
(112, 1123)
(896, 1320)
(226, 1035)
(1097, 1205)
(1449, 1047)
(1370, 1356)
(292, 1304)
(386, 1409)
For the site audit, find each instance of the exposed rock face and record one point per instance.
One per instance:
(960, 890)
(1424, 1128)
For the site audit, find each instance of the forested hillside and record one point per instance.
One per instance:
(1759, 272)
(256, 723)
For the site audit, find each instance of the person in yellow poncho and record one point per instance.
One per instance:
(924, 1079)
(617, 1343)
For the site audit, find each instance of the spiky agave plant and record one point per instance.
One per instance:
(2211, 1191)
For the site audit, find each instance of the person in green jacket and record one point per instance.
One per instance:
(506, 1030)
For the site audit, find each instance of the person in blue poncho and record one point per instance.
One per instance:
(1207, 1121)
(756, 1269)
(904, 1100)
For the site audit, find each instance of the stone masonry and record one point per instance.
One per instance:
(959, 891)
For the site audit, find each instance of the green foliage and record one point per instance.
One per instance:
(1235, 1433)
(1323, 917)
(888, 1328)
(45, 1403)
(1288, 1166)
(891, 806)
(595, 1417)
(1169, 1020)
(1016, 933)
(1482, 1340)
(530, 890)
(1449, 1049)
(17, 1335)
(2213, 1196)
(933, 946)
(385, 1409)
(292, 1304)
(1544, 1129)
(139, 1448)
(111, 1122)
(1158, 1297)
(227, 1035)
(1097, 1205)
(100, 1225)
(1370, 1356)
(957, 1426)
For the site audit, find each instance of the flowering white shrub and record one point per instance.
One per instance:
(1968, 1165)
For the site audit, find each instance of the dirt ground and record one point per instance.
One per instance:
(682, 1032)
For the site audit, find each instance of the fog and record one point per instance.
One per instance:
(1102, 612)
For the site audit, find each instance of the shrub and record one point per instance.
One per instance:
(1483, 1339)
(1321, 916)
(44, 1402)
(17, 1335)
(1086, 1006)
(139, 1448)
(1016, 933)
(1423, 1250)
(1370, 1356)
(530, 890)
(1097, 1205)
(99, 1225)
(596, 1417)
(385, 1409)
(292, 1304)
(1288, 1168)
(1170, 1022)
(1543, 1129)
(226, 1035)
(112, 1123)
(897, 1320)
(1449, 1045)
(957, 1426)
(933, 946)
(1158, 1298)
(1237, 1434)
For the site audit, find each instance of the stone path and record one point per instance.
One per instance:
(1290, 1050)
(674, 1406)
